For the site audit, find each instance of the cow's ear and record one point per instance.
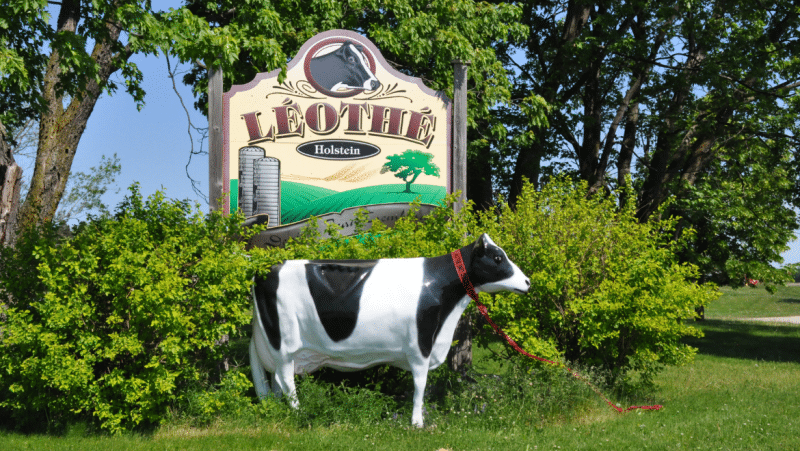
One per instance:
(479, 248)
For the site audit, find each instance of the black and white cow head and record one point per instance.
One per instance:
(346, 68)
(492, 270)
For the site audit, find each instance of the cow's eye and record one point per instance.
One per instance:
(498, 259)
(351, 59)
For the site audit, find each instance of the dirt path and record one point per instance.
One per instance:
(779, 319)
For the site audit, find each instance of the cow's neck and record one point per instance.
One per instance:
(442, 273)
(440, 297)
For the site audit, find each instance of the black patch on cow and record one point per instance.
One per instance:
(266, 290)
(441, 291)
(336, 287)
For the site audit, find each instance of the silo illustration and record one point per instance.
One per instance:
(267, 180)
(247, 155)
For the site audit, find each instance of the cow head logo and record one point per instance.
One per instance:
(339, 67)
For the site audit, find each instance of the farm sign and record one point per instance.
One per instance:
(343, 130)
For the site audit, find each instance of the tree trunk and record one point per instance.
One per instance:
(409, 182)
(589, 164)
(460, 355)
(60, 129)
(528, 166)
(672, 151)
(479, 179)
(529, 161)
(626, 151)
(10, 181)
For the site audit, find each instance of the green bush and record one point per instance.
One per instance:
(124, 318)
(606, 290)
(438, 234)
(202, 404)
(131, 315)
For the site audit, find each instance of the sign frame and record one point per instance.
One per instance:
(300, 58)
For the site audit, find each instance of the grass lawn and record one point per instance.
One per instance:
(749, 302)
(739, 394)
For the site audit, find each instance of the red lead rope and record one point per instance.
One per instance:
(462, 274)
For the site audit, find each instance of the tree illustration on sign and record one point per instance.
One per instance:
(409, 165)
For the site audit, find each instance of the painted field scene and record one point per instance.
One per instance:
(300, 201)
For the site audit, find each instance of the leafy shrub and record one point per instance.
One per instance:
(606, 290)
(125, 317)
(794, 270)
(438, 234)
(386, 379)
(130, 315)
(203, 404)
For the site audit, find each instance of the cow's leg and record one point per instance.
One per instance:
(419, 371)
(257, 370)
(283, 382)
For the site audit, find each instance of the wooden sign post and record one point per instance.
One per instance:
(215, 175)
(460, 131)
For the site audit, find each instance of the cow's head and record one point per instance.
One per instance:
(359, 74)
(490, 269)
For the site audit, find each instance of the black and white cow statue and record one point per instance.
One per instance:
(353, 314)
(344, 68)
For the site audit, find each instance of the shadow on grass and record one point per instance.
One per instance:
(790, 301)
(768, 342)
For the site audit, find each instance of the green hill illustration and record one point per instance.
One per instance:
(296, 207)
(294, 194)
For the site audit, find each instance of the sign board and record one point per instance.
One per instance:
(343, 130)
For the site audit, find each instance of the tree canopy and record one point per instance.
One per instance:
(694, 104)
(690, 100)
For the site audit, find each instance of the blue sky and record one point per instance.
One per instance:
(153, 144)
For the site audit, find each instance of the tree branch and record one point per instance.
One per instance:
(203, 134)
